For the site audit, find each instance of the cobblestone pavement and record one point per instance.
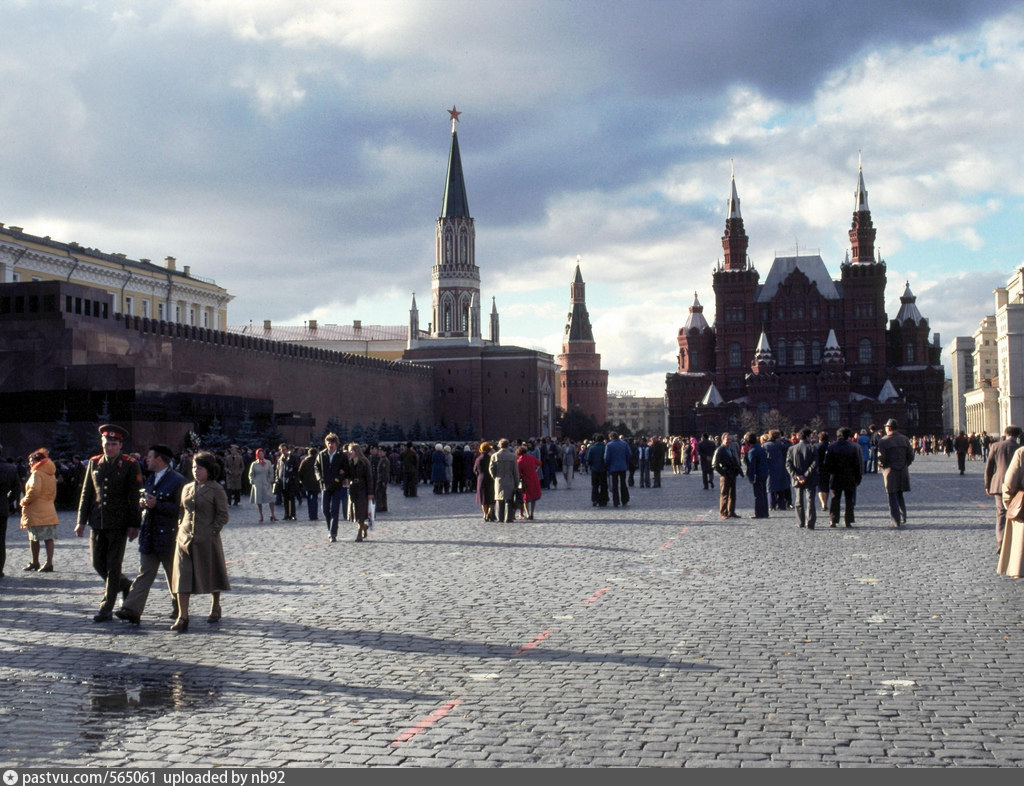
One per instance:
(652, 635)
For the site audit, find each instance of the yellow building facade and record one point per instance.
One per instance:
(137, 287)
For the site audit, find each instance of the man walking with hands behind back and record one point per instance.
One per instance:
(999, 457)
(802, 466)
(895, 455)
(110, 506)
(845, 467)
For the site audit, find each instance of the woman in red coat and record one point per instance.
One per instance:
(528, 464)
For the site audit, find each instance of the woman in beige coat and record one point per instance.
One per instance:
(1011, 553)
(38, 512)
(199, 565)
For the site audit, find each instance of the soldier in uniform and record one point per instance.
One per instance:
(110, 505)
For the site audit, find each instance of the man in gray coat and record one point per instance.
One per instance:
(802, 466)
(999, 456)
(505, 472)
(895, 455)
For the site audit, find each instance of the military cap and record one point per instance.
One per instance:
(110, 431)
(891, 423)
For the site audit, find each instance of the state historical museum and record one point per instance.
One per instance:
(820, 351)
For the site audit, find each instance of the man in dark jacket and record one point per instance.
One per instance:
(706, 454)
(960, 445)
(334, 473)
(160, 504)
(598, 472)
(756, 462)
(895, 455)
(845, 467)
(659, 450)
(10, 484)
(310, 484)
(110, 506)
(999, 456)
(726, 462)
(410, 470)
(802, 466)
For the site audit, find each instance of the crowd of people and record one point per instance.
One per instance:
(176, 504)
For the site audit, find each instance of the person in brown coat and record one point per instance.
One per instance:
(361, 491)
(199, 565)
(895, 455)
(999, 457)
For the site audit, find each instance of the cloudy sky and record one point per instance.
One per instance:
(295, 151)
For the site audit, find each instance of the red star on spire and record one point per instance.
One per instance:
(454, 113)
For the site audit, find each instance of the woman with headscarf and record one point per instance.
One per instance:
(484, 481)
(199, 566)
(528, 465)
(360, 492)
(261, 479)
(437, 468)
(38, 512)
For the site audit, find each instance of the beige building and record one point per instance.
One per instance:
(643, 416)
(137, 287)
(996, 396)
(386, 342)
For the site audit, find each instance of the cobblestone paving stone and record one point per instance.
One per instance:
(649, 636)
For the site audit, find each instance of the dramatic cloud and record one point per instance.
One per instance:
(295, 151)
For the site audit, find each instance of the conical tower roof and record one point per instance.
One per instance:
(456, 204)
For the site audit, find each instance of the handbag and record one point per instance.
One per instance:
(1015, 510)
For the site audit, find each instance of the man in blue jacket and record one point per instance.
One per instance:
(616, 459)
(160, 504)
(756, 461)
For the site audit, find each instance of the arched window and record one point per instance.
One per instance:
(735, 355)
(780, 352)
(908, 354)
(447, 317)
(833, 414)
(798, 353)
(865, 350)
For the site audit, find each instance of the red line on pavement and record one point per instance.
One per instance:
(684, 530)
(596, 595)
(527, 647)
(427, 722)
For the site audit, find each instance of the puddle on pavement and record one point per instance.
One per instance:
(112, 699)
(151, 693)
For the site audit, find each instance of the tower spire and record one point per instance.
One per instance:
(862, 231)
(455, 280)
(734, 241)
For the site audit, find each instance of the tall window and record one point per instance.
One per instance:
(161, 313)
(780, 352)
(145, 309)
(865, 350)
(865, 419)
(815, 353)
(803, 392)
(908, 355)
(833, 414)
(129, 306)
(798, 353)
(735, 355)
(791, 393)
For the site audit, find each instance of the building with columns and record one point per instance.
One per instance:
(992, 397)
(482, 389)
(816, 349)
(583, 383)
(137, 288)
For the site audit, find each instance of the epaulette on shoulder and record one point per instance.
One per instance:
(97, 457)
(129, 459)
